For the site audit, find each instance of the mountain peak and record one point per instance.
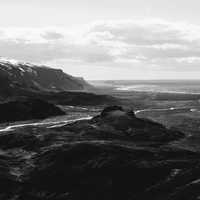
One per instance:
(14, 62)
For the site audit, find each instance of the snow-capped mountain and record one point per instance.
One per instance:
(16, 75)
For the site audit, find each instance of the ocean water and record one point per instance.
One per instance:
(166, 86)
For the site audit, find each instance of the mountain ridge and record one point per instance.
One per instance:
(27, 76)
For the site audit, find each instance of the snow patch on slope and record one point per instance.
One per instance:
(22, 66)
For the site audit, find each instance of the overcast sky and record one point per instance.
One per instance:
(107, 39)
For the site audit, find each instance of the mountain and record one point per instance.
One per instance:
(18, 76)
(19, 80)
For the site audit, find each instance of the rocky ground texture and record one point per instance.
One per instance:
(115, 155)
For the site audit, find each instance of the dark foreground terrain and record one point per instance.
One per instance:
(114, 155)
(27, 109)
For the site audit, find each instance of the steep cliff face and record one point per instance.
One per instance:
(25, 76)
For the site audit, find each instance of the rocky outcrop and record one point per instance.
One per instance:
(116, 122)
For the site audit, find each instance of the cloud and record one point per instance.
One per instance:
(136, 44)
(51, 35)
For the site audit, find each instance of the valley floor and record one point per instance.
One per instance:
(88, 154)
